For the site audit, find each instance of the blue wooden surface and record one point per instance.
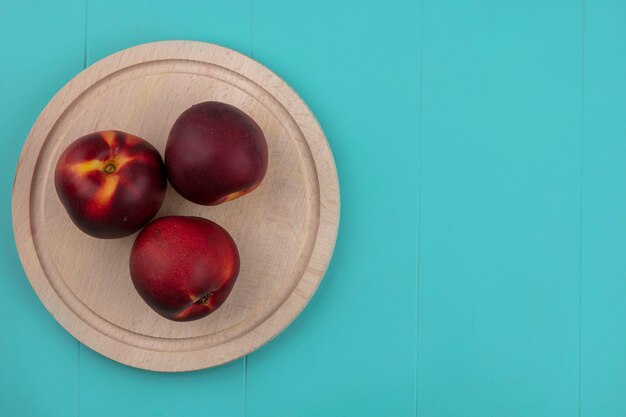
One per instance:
(500, 209)
(479, 269)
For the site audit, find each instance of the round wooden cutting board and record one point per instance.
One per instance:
(285, 230)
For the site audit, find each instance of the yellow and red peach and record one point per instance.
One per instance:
(111, 183)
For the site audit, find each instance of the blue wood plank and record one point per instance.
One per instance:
(108, 389)
(119, 24)
(603, 368)
(38, 359)
(352, 350)
(115, 25)
(500, 209)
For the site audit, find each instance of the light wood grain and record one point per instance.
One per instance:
(285, 230)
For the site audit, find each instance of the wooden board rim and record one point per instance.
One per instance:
(171, 361)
